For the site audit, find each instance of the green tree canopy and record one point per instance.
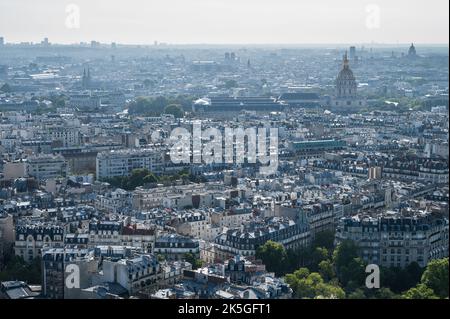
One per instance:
(190, 258)
(273, 256)
(349, 267)
(326, 270)
(311, 285)
(400, 280)
(385, 293)
(357, 294)
(229, 84)
(175, 110)
(435, 277)
(17, 269)
(58, 100)
(421, 291)
(150, 179)
(324, 239)
(155, 106)
(147, 106)
(138, 177)
(319, 254)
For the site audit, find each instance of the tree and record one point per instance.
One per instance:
(357, 294)
(344, 253)
(298, 258)
(328, 291)
(137, 178)
(273, 256)
(195, 262)
(435, 277)
(324, 239)
(349, 267)
(311, 285)
(175, 110)
(229, 84)
(148, 106)
(421, 291)
(160, 103)
(353, 274)
(414, 273)
(400, 280)
(301, 273)
(326, 270)
(319, 254)
(385, 293)
(150, 179)
(184, 175)
(58, 100)
(17, 269)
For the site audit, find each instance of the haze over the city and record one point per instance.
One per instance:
(227, 21)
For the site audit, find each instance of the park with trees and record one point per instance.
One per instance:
(324, 271)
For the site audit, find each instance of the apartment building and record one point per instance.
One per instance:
(122, 162)
(245, 240)
(175, 247)
(396, 239)
(44, 167)
(31, 239)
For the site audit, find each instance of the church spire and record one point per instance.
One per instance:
(345, 61)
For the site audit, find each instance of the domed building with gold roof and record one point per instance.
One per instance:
(345, 97)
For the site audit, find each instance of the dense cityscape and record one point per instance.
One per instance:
(94, 184)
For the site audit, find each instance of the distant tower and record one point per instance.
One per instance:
(345, 96)
(412, 50)
(352, 53)
(86, 79)
(345, 82)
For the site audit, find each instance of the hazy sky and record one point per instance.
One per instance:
(226, 21)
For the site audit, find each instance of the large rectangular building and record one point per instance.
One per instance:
(44, 167)
(123, 162)
(396, 239)
(31, 239)
(245, 241)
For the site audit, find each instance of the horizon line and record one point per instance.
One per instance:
(162, 43)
